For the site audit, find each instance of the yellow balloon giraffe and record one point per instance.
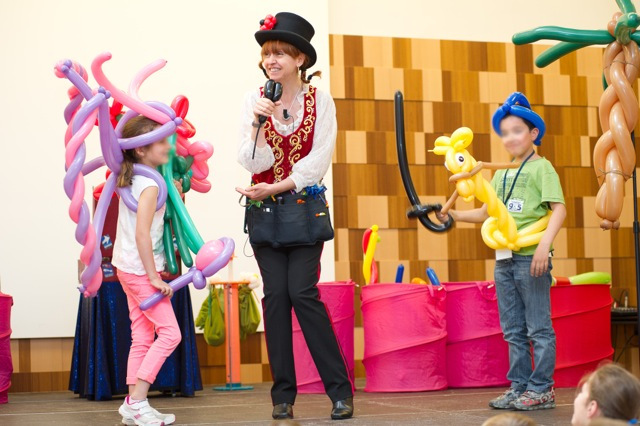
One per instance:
(499, 231)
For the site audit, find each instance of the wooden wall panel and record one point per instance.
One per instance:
(448, 84)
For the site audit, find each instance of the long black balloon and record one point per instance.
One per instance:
(417, 209)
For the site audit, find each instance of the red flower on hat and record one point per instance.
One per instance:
(268, 22)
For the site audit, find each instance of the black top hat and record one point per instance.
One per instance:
(290, 28)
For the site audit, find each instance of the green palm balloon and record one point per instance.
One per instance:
(573, 39)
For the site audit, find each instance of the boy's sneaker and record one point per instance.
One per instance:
(505, 401)
(167, 419)
(531, 400)
(140, 412)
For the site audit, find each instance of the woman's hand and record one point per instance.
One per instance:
(164, 288)
(540, 261)
(257, 192)
(264, 107)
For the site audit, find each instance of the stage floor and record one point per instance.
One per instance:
(450, 407)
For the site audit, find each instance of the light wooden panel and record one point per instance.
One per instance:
(448, 84)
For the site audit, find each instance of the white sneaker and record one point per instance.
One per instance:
(140, 412)
(168, 419)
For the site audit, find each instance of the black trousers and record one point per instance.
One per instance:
(290, 275)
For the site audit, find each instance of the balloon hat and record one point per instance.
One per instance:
(187, 161)
(517, 104)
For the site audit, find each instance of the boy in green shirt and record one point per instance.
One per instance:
(523, 278)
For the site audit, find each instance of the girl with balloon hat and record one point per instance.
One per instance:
(287, 138)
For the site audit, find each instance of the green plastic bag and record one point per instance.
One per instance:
(249, 312)
(211, 317)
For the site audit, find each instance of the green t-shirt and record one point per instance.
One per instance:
(537, 185)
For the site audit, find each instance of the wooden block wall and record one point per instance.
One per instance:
(448, 84)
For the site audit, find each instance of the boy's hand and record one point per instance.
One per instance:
(443, 218)
(540, 261)
(162, 286)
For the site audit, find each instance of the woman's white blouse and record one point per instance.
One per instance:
(308, 170)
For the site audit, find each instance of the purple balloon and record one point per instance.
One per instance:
(105, 136)
(222, 259)
(92, 165)
(199, 281)
(72, 107)
(176, 285)
(123, 120)
(83, 224)
(141, 169)
(155, 135)
(103, 205)
(77, 80)
(166, 109)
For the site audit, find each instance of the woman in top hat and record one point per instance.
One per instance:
(288, 158)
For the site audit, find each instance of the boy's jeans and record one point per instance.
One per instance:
(525, 317)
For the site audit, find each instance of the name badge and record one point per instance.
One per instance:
(515, 206)
(503, 254)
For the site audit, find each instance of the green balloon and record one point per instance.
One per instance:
(186, 183)
(556, 52)
(193, 238)
(626, 6)
(563, 34)
(180, 165)
(183, 247)
(169, 251)
(591, 278)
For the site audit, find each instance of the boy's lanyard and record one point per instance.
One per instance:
(513, 184)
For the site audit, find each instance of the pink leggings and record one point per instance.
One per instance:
(146, 355)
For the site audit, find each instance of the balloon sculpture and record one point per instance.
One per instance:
(418, 210)
(88, 107)
(499, 231)
(370, 240)
(614, 155)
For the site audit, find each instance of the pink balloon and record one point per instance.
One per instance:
(120, 96)
(201, 186)
(208, 253)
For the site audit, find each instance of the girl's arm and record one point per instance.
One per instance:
(540, 261)
(144, 217)
(473, 216)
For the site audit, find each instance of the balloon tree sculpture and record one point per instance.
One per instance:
(89, 107)
(614, 156)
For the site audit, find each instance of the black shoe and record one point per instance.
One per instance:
(282, 411)
(342, 409)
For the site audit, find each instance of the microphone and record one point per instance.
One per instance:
(273, 91)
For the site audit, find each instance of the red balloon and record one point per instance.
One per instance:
(180, 105)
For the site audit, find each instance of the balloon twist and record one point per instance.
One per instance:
(81, 118)
(499, 231)
(614, 156)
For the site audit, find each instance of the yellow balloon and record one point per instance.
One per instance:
(499, 231)
(368, 256)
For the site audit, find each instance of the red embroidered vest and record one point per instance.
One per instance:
(287, 150)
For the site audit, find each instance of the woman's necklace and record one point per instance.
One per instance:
(285, 112)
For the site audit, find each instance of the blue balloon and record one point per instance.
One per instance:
(517, 104)
(432, 276)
